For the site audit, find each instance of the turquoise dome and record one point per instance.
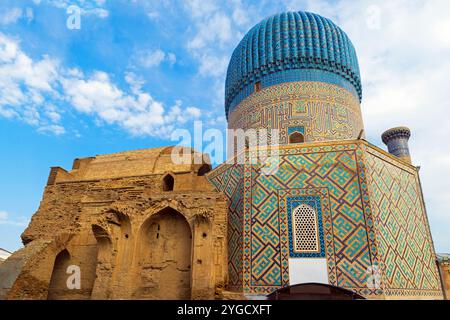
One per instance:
(291, 46)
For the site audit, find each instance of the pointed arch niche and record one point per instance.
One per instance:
(164, 268)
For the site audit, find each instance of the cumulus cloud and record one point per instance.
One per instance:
(54, 129)
(27, 84)
(402, 46)
(137, 111)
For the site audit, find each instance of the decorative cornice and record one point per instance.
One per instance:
(395, 133)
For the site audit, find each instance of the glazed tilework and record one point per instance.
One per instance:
(229, 180)
(403, 234)
(327, 228)
(286, 76)
(291, 41)
(299, 129)
(350, 237)
(327, 112)
(357, 184)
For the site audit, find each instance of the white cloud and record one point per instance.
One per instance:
(10, 16)
(217, 27)
(194, 112)
(149, 58)
(52, 113)
(153, 15)
(26, 86)
(171, 57)
(213, 66)
(29, 13)
(52, 129)
(134, 82)
(201, 8)
(403, 48)
(5, 219)
(240, 16)
(99, 12)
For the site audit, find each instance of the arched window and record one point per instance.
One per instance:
(305, 229)
(168, 183)
(258, 86)
(296, 137)
(204, 169)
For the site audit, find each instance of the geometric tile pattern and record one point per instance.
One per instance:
(321, 198)
(370, 208)
(291, 41)
(325, 111)
(229, 180)
(335, 168)
(403, 235)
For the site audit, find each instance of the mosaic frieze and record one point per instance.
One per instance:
(327, 112)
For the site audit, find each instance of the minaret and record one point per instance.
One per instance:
(396, 140)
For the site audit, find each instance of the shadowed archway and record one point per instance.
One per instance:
(165, 250)
(296, 137)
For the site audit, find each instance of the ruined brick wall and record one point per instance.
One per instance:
(106, 226)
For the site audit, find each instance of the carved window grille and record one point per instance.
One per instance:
(305, 229)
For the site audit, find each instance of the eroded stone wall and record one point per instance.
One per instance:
(107, 228)
(319, 111)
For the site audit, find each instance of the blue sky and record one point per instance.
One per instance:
(137, 70)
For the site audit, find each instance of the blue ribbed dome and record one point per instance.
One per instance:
(291, 42)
